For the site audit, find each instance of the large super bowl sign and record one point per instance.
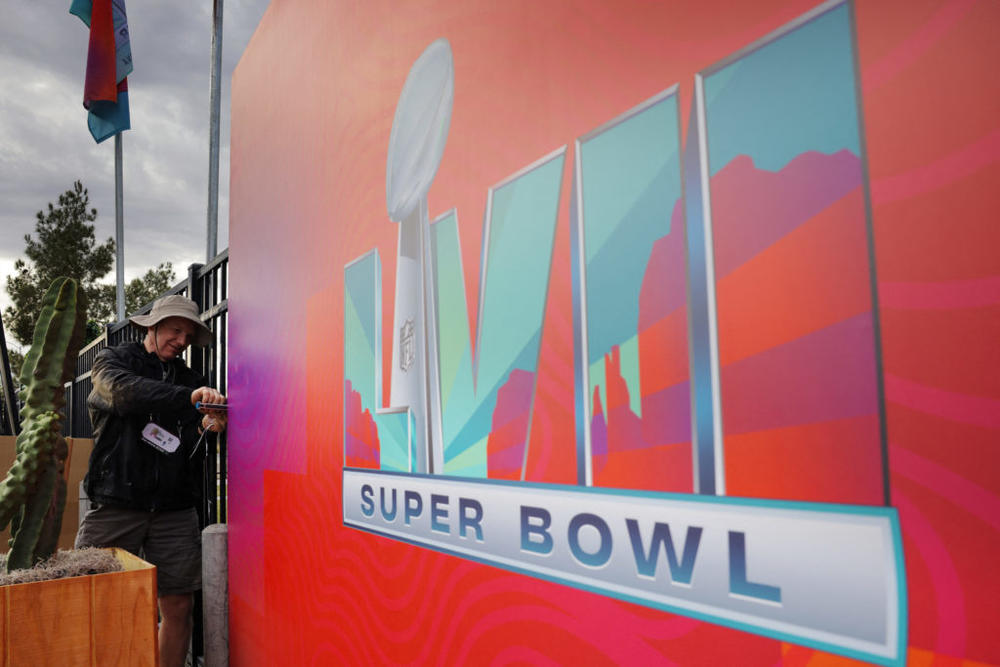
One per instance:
(723, 301)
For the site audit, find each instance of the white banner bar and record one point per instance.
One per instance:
(827, 576)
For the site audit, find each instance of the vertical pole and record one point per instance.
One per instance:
(10, 405)
(213, 133)
(196, 293)
(119, 229)
(197, 357)
(214, 574)
(70, 389)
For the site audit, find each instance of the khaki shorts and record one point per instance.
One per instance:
(170, 540)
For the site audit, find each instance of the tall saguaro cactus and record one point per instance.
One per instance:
(33, 495)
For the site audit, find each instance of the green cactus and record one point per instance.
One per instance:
(33, 495)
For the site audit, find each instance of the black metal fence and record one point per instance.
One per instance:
(208, 286)
(6, 428)
(9, 404)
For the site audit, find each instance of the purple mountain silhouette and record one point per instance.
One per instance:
(752, 208)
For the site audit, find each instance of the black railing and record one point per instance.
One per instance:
(9, 422)
(207, 285)
(6, 427)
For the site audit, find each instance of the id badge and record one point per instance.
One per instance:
(160, 438)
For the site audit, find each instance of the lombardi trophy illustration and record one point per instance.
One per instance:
(416, 145)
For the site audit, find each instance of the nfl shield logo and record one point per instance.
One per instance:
(407, 345)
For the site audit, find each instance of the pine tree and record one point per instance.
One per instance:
(64, 245)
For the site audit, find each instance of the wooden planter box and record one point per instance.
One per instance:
(101, 619)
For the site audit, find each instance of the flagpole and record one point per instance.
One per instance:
(212, 248)
(119, 229)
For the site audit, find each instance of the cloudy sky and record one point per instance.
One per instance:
(45, 144)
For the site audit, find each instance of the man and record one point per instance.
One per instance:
(144, 475)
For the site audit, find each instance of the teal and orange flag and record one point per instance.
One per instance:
(109, 62)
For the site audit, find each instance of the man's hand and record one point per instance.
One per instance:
(206, 395)
(213, 419)
(215, 422)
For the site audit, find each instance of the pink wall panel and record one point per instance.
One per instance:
(313, 104)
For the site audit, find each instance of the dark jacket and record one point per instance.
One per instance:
(129, 392)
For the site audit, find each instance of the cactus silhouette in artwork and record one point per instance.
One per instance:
(33, 494)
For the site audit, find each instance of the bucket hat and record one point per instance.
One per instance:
(175, 305)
